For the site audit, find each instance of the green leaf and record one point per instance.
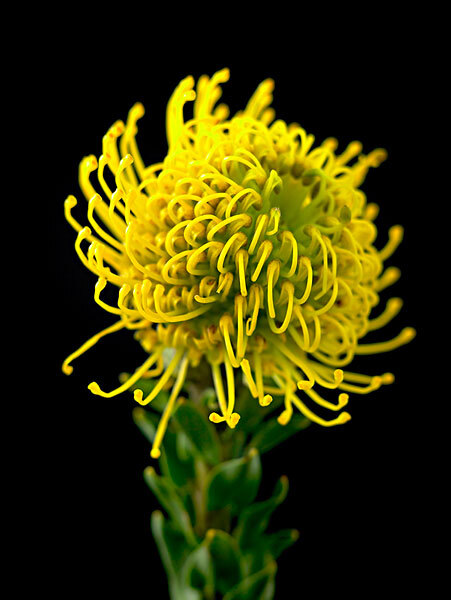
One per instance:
(177, 467)
(173, 550)
(198, 571)
(199, 430)
(271, 433)
(187, 498)
(259, 585)
(237, 443)
(146, 421)
(281, 540)
(208, 398)
(185, 448)
(255, 518)
(225, 556)
(167, 495)
(269, 591)
(234, 483)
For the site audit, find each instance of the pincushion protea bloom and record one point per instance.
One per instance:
(246, 247)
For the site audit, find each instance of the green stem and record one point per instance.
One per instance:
(212, 534)
(199, 497)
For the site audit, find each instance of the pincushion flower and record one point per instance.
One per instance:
(247, 247)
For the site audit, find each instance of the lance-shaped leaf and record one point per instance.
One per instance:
(173, 552)
(167, 495)
(255, 518)
(225, 557)
(259, 585)
(234, 483)
(281, 540)
(199, 431)
(185, 448)
(198, 571)
(178, 468)
(146, 422)
(271, 433)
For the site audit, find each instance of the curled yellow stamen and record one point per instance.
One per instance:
(225, 283)
(237, 220)
(171, 237)
(272, 275)
(388, 278)
(104, 159)
(140, 297)
(232, 418)
(215, 418)
(170, 317)
(205, 300)
(308, 287)
(171, 263)
(289, 288)
(240, 347)
(324, 288)
(95, 388)
(255, 296)
(264, 399)
(395, 234)
(342, 418)
(374, 384)
(123, 294)
(263, 254)
(241, 259)
(138, 394)
(100, 286)
(274, 220)
(248, 374)
(196, 256)
(262, 222)
(285, 389)
(196, 228)
(342, 400)
(294, 254)
(237, 197)
(94, 203)
(237, 239)
(121, 182)
(330, 302)
(217, 380)
(237, 200)
(67, 367)
(69, 204)
(168, 409)
(406, 335)
(226, 326)
(87, 166)
(393, 307)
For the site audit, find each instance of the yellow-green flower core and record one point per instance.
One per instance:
(246, 247)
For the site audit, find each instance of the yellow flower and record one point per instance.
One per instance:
(247, 247)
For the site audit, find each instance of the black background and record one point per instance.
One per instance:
(356, 491)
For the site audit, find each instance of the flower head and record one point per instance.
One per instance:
(247, 247)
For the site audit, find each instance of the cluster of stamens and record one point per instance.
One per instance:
(246, 248)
